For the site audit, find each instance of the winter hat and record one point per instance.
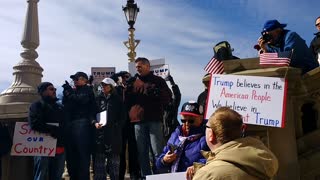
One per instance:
(43, 86)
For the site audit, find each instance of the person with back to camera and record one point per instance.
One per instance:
(202, 98)
(315, 43)
(109, 139)
(128, 137)
(232, 157)
(81, 108)
(185, 143)
(277, 39)
(170, 121)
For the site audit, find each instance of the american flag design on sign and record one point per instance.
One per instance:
(214, 66)
(276, 59)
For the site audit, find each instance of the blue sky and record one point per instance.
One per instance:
(78, 35)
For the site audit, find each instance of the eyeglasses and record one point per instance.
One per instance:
(52, 89)
(190, 121)
(208, 126)
(318, 24)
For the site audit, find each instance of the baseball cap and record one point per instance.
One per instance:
(272, 25)
(108, 81)
(190, 108)
(79, 74)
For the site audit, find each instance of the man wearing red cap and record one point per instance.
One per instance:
(185, 143)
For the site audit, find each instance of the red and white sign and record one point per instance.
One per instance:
(27, 142)
(260, 100)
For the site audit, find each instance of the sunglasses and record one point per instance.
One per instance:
(318, 24)
(190, 121)
(52, 89)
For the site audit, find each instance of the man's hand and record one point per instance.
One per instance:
(262, 44)
(138, 86)
(136, 113)
(66, 85)
(169, 157)
(67, 89)
(190, 172)
(98, 125)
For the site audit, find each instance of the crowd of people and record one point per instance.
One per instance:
(141, 117)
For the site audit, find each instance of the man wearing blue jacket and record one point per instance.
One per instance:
(184, 146)
(277, 39)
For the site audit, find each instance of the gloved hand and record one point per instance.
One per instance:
(66, 85)
(170, 79)
(67, 89)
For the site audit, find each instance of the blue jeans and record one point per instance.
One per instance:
(48, 166)
(148, 135)
(78, 144)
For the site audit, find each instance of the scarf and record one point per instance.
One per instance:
(182, 142)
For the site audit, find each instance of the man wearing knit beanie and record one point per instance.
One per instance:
(41, 113)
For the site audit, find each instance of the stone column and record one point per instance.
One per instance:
(15, 100)
(27, 73)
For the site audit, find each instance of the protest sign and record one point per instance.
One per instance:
(99, 73)
(161, 70)
(27, 142)
(260, 100)
(168, 176)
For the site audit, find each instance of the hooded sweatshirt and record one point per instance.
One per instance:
(244, 158)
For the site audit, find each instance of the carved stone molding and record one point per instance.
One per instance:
(27, 73)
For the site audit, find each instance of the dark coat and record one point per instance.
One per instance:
(170, 121)
(157, 96)
(110, 134)
(46, 111)
(80, 103)
(190, 152)
(202, 101)
(315, 45)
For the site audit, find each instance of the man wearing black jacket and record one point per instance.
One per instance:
(80, 106)
(315, 43)
(44, 111)
(170, 121)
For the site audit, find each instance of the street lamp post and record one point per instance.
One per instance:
(131, 11)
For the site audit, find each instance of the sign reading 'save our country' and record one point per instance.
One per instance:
(260, 100)
(27, 142)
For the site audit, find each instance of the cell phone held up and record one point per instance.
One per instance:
(172, 148)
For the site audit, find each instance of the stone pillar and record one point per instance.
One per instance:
(15, 100)
(27, 73)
